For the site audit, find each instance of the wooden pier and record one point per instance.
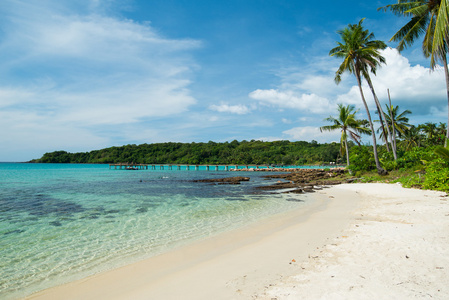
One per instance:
(214, 167)
(188, 167)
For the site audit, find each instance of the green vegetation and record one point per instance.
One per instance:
(244, 152)
(432, 174)
(425, 166)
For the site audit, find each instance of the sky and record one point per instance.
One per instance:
(89, 74)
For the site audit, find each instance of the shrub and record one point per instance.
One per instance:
(437, 176)
(361, 159)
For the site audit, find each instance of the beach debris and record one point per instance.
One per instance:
(227, 180)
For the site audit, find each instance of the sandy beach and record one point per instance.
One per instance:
(356, 241)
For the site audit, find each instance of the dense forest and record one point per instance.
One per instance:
(235, 152)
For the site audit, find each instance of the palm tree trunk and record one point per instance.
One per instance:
(347, 150)
(392, 121)
(446, 73)
(382, 116)
(381, 120)
(380, 170)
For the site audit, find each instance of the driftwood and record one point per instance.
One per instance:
(228, 180)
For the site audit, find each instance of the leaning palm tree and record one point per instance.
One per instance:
(359, 50)
(349, 126)
(379, 111)
(431, 19)
(397, 122)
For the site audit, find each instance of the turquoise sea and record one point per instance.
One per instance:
(63, 222)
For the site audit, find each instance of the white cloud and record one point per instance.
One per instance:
(269, 139)
(290, 99)
(309, 133)
(68, 68)
(233, 109)
(313, 90)
(407, 83)
(411, 87)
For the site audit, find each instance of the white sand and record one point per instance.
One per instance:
(396, 248)
(358, 241)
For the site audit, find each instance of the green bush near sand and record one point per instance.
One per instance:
(419, 167)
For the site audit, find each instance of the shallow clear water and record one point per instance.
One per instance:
(61, 222)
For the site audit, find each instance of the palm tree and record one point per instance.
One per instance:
(412, 137)
(441, 129)
(359, 50)
(398, 123)
(428, 17)
(349, 125)
(430, 131)
(379, 107)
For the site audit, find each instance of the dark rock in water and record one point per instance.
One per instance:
(92, 216)
(14, 231)
(228, 180)
(278, 186)
(236, 199)
(294, 200)
(142, 210)
(56, 223)
(41, 205)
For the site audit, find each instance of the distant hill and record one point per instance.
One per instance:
(235, 152)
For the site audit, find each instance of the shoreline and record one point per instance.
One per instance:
(356, 241)
(213, 266)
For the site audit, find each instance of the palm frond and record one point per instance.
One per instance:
(408, 34)
(442, 152)
(440, 43)
(402, 8)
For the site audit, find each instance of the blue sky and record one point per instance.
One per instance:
(89, 74)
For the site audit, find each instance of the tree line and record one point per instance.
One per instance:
(235, 152)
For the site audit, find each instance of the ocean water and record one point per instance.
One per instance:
(63, 222)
